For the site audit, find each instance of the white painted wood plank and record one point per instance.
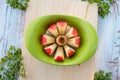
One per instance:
(11, 27)
(3, 14)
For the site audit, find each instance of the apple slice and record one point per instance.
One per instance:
(61, 27)
(59, 55)
(67, 29)
(46, 39)
(74, 42)
(50, 49)
(69, 51)
(71, 33)
(53, 30)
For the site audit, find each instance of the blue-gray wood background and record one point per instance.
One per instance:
(108, 56)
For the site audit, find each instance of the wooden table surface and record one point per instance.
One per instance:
(108, 55)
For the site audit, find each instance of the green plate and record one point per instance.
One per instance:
(88, 35)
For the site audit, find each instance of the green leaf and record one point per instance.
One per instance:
(11, 64)
(101, 75)
(19, 4)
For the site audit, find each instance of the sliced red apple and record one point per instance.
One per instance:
(59, 54)
(71, 33)
(46, 39)
(69, 51)
(74, 42)
(60, 39)
(53, 30)
(50, 49)
(61, 27)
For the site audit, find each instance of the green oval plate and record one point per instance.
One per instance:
(88, 35)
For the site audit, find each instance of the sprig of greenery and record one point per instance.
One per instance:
(11, 65)
(101, 75)
(19, 4)
(103, 6)
(103, 9)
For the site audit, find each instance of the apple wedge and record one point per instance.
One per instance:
(61, 27)
(71, 33)
(69, 51)
(50, 49)
(74, 42)
(59, 54)
(53, 30)
(46, 39)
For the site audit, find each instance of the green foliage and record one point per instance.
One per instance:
(101, 75)
(103, 9)
(11, 65)
(20, 4)
(103, 6)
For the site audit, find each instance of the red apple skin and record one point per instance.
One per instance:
(52, 27)
(77, 41)
(61, 23)
(43, 40)
(48, 51)
(74, 32)
(59, 58)
(70, 53)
